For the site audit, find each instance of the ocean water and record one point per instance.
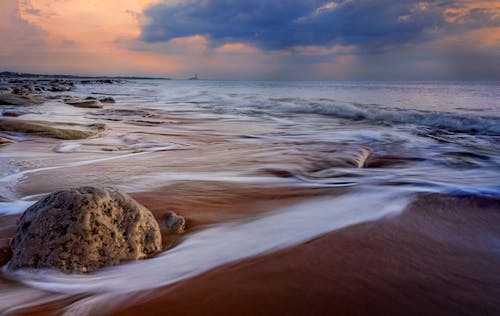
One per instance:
(383, 143)
(448, 133)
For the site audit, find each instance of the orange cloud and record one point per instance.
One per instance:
(237, 48)
(463, 13)
(320, 50)
(85, 22)
(79, 36)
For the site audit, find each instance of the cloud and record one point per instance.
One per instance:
(15, 32)
(277, 25)
(229, 39)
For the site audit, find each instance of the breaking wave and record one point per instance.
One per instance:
(384, 115)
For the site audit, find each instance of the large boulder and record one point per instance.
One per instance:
(82, 230)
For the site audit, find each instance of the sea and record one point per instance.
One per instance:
(356, 151)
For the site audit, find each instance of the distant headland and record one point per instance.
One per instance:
(10, 74)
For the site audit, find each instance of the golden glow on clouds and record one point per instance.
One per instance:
(460, 14)
(84, 22)
(237, 48)
(102, 37)
(81, 36)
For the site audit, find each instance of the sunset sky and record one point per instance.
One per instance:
(228, 39)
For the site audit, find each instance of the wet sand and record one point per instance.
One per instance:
(439, 257)
(202, 203)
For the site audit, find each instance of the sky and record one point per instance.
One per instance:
(257, 39)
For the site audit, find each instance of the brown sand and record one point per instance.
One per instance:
(440, 257)
(7, 230)
(210, 202)
(201, 203)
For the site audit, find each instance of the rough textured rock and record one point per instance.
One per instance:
(89, 104)
(175, 223)
(82, 230)
(14, 99)
(51, 129)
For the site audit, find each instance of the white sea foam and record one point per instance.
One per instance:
(146, 182)
(8, 183)
(377, 114)
(68, 147)
(15, 207)
(453, 106)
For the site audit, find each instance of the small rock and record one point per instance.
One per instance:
(107, 100)
(90, 104)
(82, 230)
(175, 223)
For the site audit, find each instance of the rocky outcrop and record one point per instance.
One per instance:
(20, 100)
(101, 81)
(102, 100)
(54, 130)
(82, 230)
(60, 85)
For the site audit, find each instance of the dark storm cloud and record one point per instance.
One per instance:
(281, 24)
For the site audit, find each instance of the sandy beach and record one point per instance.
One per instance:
(425, 261)
(415, 264)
